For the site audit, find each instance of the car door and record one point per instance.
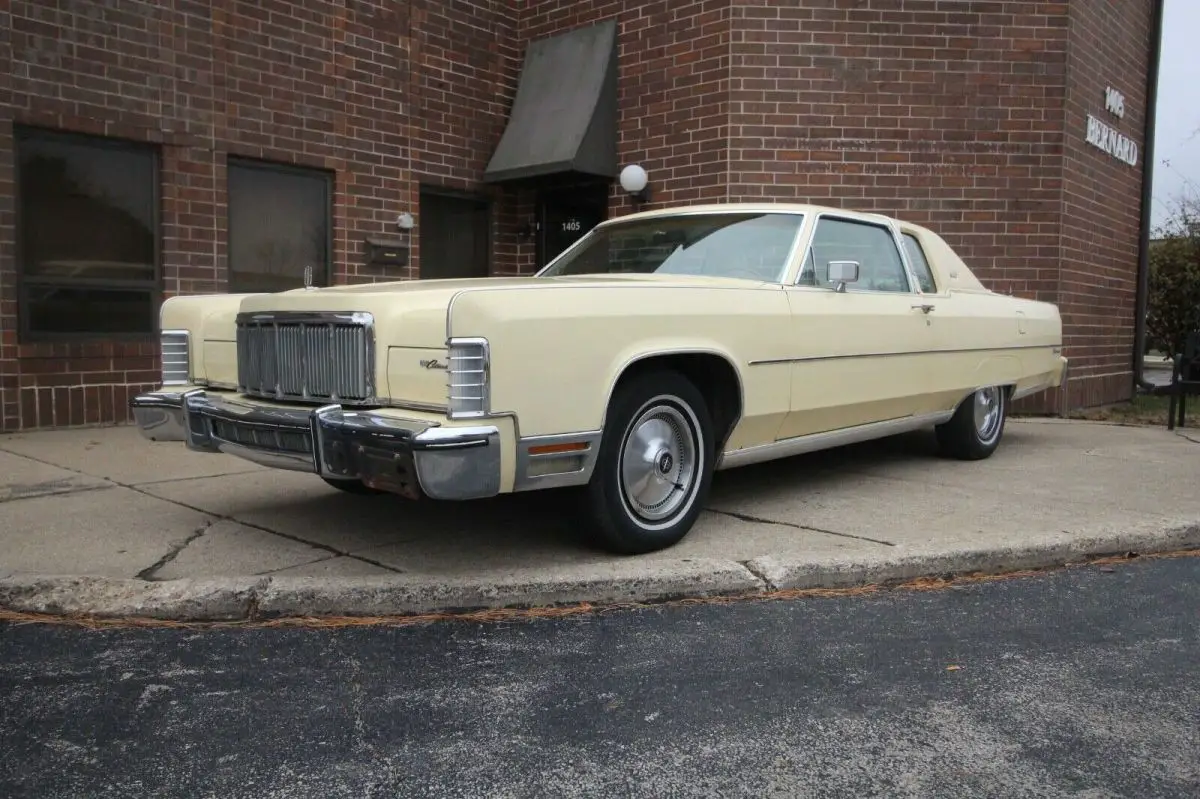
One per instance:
(969, 331)
(859, 350)
(949, 366)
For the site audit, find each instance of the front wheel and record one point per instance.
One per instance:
(974, 432)
(654, 467)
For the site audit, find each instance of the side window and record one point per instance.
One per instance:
(920, 264)
(872, 246)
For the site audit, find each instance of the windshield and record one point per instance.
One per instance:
(753, 246)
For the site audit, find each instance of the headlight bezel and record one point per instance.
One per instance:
(175, 369)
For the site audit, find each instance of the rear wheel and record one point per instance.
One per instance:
(655, 464)
(974, 432)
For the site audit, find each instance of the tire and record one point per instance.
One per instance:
(974, 432)
(352, 487)
(634, 510)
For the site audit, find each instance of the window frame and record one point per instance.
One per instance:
(233, 160)
(780, 277)
(448, 192)
(937, 289)
(913, 287)
(25, 281)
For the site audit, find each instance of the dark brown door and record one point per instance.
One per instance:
(566, 215)
(455, 240)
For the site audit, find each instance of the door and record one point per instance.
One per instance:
(859, 355)
(455, 236)
(566, 215)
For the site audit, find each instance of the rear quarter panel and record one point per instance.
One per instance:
(991, 339)
(981, 337)
(556, 352)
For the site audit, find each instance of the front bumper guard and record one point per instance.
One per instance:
(402, 456)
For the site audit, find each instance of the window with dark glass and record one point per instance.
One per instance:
(279, 223)
(87, 235)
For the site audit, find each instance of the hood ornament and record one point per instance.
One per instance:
(308, 278)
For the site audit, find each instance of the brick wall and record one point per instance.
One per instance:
(673, 95)
(322, 84)
(966, 116)
(945, 114)
(1110, 45)
(466, 57)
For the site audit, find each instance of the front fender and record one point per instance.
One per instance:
(558, 352)
(665, 347)
(209, 321)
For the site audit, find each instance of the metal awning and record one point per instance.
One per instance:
(564, 118)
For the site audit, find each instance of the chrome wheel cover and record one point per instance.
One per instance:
(989, 412)
(660, 463)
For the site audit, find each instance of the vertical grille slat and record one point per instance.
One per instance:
(313, 358)
(467, 377)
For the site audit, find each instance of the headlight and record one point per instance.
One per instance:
(468, 376)
(176, 356)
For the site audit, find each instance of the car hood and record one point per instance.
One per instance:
(452, 286)
(409, 315)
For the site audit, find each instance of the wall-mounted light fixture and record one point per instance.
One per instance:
(634, 181)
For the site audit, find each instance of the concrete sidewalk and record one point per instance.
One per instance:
(101, 521)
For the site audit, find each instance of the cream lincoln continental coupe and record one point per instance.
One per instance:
(659, 348)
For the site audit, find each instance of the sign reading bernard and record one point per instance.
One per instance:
(1103, 137)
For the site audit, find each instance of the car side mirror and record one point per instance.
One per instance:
(843, 272)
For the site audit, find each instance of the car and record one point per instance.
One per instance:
(661, 347)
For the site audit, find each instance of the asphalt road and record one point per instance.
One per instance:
(1079, 684)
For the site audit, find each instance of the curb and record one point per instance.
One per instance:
(635, 581)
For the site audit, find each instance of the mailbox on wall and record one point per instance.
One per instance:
(387, 252)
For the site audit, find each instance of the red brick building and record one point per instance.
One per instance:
(156, 147)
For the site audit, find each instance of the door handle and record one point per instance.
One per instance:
(925, 307)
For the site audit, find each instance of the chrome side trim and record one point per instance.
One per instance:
(816, 442)
(577, 466)
(410, 457)
(908, 353)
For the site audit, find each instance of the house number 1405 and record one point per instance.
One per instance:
(571, 225)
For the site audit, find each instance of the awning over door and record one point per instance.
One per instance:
(564, 118)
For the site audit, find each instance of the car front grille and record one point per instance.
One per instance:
(307, 357)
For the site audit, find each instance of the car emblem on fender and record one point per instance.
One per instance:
(431, 363)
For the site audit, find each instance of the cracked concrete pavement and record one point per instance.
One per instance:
(101, 521)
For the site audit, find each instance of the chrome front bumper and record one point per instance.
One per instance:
(403, 456)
